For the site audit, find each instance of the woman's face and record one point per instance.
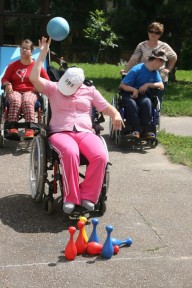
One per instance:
(154, 34)
(25, 50)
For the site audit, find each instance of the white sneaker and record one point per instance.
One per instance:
(68, 207)
(88, 205)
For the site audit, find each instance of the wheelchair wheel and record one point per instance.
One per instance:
(1, 141)
(1, 123)
(101, 205)
(37, 167)
(153, 142)
(111, 131)
(118, 137)
(45, 110)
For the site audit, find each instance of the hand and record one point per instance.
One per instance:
(9, 89)
(143, 88)
(135, 94)
(44, 45)
(165, 71)
(118, 122)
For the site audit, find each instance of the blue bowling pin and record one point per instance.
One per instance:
(94, 237)
(108, 250)
(118, 242)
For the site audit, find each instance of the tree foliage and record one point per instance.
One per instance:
(99, 31)
(128, 19)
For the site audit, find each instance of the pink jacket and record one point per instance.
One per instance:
(75, 110)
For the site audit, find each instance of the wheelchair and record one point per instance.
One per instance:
(45, 172)
(10, 53)
(41, 114)
(121, 137)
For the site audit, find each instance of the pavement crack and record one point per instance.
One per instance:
(149, 224)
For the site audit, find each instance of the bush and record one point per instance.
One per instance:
(186, 59)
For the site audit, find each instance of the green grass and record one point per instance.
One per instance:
(177, 102)
(178, 148)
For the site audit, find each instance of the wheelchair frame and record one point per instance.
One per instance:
(119, 136)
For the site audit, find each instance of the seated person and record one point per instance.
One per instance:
(71, 104)
(138, 107)
(20, 92)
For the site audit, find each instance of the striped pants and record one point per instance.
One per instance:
(24, 102)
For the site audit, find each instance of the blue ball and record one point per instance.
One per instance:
(58, 28)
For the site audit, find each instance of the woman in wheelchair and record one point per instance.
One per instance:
(135, 86)
(20, 92)
(71, 131)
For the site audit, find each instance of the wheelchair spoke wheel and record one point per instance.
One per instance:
(1, 140)
(37, 168)
(118, 137)
(153, 142)
(46, 113)
(111, 131)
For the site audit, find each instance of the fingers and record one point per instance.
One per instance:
(118, 124)
(49, 41)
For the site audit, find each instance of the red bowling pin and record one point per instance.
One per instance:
(81, 243)
(94, 248)
(71, 250)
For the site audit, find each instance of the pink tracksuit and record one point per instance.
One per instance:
(75, 111)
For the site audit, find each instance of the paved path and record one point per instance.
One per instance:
(149, 200)
(177, 125)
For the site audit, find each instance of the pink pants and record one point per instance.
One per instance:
(21, 102)
(69, 145)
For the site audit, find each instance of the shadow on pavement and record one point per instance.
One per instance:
(15, 148)
(133, 146)
(24, 215)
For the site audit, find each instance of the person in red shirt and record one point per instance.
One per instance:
(20, 92)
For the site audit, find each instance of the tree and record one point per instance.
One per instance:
(99, 31)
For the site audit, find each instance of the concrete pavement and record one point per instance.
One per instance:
(149, 200)
(177, 125)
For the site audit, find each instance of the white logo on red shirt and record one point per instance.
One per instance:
(21, 73)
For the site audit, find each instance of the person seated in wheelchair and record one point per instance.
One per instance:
(20, 93)
(135, 86)
(71, 129)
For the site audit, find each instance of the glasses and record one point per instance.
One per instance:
(154, 32)
(25, 48)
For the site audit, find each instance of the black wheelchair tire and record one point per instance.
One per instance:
(1, 141)
(37, 169)
(111, 131)
(153, 143)
(118, 138)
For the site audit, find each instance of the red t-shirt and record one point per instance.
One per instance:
(18, 75)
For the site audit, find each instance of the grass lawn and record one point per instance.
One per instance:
(177, 102)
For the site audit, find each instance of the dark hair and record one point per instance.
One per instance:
(157, 26)
(27, 41)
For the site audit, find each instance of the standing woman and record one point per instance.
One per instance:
(19, 90)
(145, 48)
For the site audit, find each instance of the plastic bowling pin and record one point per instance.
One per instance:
(84, 219)
(71, 250)
(118, 242)
(94, 248)
(94, 237)
(108, 249)
(80, 243)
